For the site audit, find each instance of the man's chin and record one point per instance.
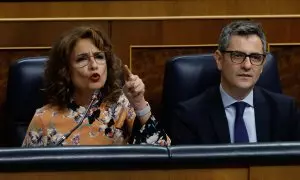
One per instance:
(245, 86)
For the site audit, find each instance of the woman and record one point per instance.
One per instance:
(89, 101)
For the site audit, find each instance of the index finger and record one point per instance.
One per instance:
(127, 72)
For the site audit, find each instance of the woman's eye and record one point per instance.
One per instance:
(99, 56)
(81, 59)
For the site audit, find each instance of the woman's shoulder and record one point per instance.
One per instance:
(47, 109)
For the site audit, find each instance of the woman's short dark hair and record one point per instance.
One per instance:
(59, 87)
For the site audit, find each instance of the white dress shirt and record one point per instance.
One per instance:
(249, 116)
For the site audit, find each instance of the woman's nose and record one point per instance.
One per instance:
(92, 62)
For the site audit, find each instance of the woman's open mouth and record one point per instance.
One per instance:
(95, 77)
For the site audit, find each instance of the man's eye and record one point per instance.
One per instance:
(238, 55)
(256, 57)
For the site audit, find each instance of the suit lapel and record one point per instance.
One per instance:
(262, 116)
(218, 116)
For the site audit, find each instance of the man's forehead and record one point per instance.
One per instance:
(246, 42)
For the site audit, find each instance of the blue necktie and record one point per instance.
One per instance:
(240, 131)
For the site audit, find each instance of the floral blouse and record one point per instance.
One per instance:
(105, 124)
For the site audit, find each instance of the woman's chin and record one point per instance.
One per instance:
(95, 86)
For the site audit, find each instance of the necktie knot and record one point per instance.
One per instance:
(240, 108)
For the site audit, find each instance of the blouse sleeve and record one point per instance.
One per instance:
(36, 134)
(151, 132)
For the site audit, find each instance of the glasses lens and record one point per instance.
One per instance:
(257, 59)
(237, 57)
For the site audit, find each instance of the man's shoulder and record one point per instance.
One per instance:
(273, 96)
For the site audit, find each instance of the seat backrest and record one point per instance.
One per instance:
(24, 95)
(188, 76)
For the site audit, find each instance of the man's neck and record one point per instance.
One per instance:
(236, 93)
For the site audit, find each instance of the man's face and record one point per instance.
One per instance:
(236, 73)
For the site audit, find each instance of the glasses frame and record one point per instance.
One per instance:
(95, 59)
(245, 56)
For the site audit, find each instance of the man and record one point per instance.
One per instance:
(237, 111)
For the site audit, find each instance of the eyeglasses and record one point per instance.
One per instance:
(239, 57)
(84, 59)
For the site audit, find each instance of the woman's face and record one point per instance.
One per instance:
(88, 66)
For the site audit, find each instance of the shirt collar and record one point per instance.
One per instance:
(228, 100)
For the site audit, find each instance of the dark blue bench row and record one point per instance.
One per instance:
(147, 157)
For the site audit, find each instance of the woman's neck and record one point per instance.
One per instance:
(83, 98)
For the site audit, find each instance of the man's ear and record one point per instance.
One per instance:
(219, 59)
(263, 65)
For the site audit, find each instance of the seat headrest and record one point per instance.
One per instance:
(24, 88)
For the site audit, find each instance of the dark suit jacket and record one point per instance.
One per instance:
(202, 119)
